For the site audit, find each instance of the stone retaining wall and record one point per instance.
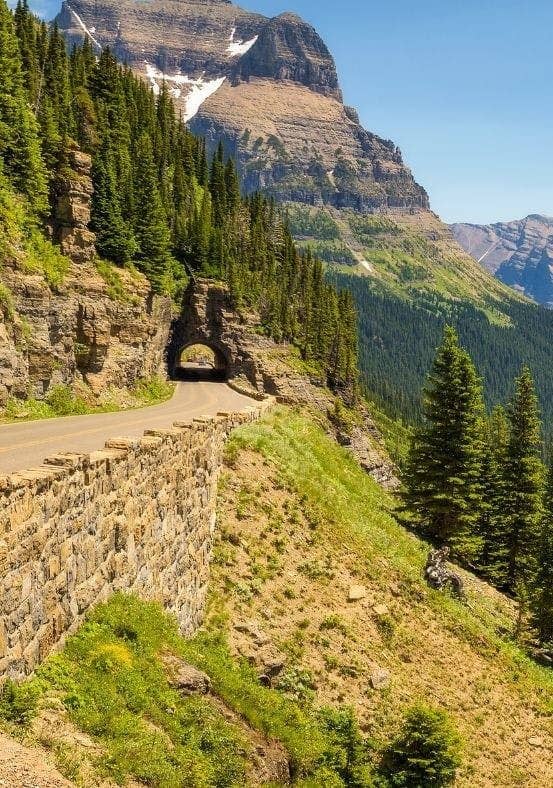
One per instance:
(137, 516)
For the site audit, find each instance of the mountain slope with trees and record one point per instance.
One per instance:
(159, 203)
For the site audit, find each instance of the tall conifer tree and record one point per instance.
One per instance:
(150, 223)
(19, 144)
(443, 478)
(524, 480)
(494, 523)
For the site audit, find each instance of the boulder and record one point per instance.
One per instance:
(190, 681)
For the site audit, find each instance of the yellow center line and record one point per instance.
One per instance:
(66, 435)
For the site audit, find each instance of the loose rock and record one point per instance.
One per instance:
(356, 593)
(380, 679)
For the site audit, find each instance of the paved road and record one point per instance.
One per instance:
(26, 444)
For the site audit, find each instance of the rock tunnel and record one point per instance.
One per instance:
(210, 340)
(201, 360)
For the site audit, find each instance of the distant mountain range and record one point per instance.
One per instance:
(518, 253)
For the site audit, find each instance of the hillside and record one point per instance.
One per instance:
(519, 253)
(316, 600)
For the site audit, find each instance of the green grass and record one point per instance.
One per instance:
(116, 287)
(395, 434)
(330, 482)
(112, 680)
(45, 258)
(113, 684)
(22, 242)
(62, 401)
(153, 390)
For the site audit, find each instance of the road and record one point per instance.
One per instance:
(26, 444)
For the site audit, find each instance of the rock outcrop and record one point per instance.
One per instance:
(72, 215)
(519, 253)
(267, 88)
(78, 334)
(79, 330)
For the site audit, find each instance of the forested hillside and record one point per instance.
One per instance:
(158, 203)
(398, 337)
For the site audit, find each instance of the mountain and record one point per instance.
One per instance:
(519, 253)
(267, 87)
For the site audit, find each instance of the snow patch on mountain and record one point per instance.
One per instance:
(199, 90)
(84, 27)
(239, 47)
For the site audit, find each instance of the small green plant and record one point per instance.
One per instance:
(333, 622)
(426, 753)
(154, 389)
(64, 403)
(112, 278)
(386, 626)
(44, 257)
(18, 702)
(6, 301)
(297, 683)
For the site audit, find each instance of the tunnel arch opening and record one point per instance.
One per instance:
(201, 360)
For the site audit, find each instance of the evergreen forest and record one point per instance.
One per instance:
(159, 204)
(398, 338)
(477, 483)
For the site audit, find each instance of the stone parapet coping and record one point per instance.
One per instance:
(60, 465)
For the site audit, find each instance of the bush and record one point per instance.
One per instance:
(426, 753)
(18, 702)
(348, 754)
(152, 390)
(64, 403)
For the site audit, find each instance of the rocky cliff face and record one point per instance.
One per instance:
(267, 87)
(79, 335)
(96, 333)
(519, 253)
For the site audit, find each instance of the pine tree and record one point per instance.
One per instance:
(493, 522)
(542, 597)
(524, 480)
(150, 223)
(19, 144)
(443, 477)
(114, 239)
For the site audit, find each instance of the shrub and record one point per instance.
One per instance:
(44, 257)
(348, 754)
(153, 390)
(64, 403)
(426, 753)
(18, 702)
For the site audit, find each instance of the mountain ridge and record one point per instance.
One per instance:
(518, 253)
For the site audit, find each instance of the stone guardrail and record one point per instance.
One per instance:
(137, 516)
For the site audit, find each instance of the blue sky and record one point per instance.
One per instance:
(463, 86)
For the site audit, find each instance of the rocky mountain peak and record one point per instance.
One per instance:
(267, 88)
(290, 49)
(519, 253)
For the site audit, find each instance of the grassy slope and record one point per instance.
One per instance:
(299, 524)
(309, 524)
(408, 255)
